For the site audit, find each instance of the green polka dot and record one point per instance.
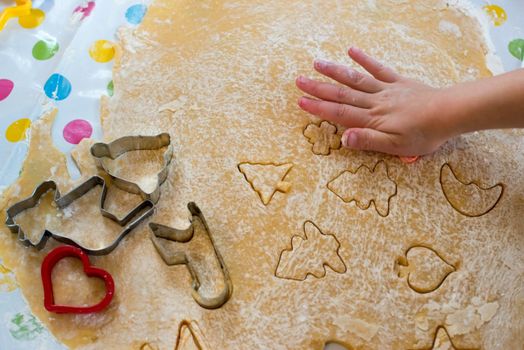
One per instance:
(516, 48)
(25, 327)
(45, 49)
(110, 88)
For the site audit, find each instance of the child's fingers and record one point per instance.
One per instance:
(368, 140)
(349, 76)
(342, 114)
(334, 93)
(374, 67)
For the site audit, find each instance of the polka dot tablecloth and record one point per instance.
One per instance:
(61, 54)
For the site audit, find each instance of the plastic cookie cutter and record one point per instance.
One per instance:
(129, 222)
(409, 160)
(113, 150)
(22, 8)
(46, 271)
(180, 253)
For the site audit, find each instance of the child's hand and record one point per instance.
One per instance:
(383, 112)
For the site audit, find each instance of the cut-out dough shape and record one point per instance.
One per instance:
(442, 341)
(148, 346)
(424, 268)
(366, 186)
(190, 337)
(469, 198)
(323, 137)
(266, 178)
(195, 248)
(310, 255)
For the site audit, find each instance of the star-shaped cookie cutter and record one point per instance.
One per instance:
(102, 151)
(129, 222)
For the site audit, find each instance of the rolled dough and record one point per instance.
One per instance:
(219, 77)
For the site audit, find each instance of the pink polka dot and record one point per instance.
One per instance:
(85, 10)
(6, 86)
(77, 130)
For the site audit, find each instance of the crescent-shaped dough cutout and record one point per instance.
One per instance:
(469, 198)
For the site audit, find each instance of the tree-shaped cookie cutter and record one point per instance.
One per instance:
(163, 234)
(22, 8)
(103, 151)
(129, 222)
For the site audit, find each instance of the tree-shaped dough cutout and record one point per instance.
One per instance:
(266, 178)
(310, 255)
(442, 341)
(190, 337)
(366, 187)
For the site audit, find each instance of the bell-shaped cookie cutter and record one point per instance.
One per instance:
(162, 234)
(129, 222)
(113, 150)
(22, 8)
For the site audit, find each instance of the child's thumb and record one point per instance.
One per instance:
(367, 140)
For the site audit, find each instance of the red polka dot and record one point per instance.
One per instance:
(77, 130)
(6, 86)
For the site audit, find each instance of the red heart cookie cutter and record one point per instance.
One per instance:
(47, 268)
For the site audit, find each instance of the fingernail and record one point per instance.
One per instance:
(302, 79)
(302, 101)
(344, 140)
(349, 139)
(354, 49)
(321, 64)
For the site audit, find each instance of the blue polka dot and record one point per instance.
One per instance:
(57, 87)
(44, 5)
(136, 13)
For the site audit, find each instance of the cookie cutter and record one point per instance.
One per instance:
(49, 263)
(22, 8)
(163, 234)
(102, 151)
(129, 222)
(409, 160)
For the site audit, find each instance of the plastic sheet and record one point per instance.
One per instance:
(61, 56)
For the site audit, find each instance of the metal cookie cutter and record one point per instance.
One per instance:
(115, 149)
(22, 8)
(178, 256)
(129, 222)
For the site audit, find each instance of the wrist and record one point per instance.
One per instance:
(489, 103)
(452, 113)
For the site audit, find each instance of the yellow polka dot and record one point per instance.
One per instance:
(497, 14)
(32, 20)
(7, 280)
(17, 131)
(102, 51)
